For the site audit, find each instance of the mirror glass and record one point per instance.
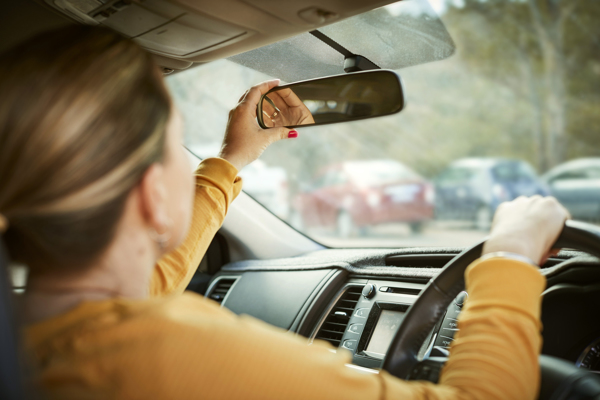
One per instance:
(333, 99)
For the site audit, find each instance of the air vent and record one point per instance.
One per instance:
(419, 260)
(336, 321)
(220, 289)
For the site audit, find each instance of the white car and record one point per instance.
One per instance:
(576, 184)
(266, 184)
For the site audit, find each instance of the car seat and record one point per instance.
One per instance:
(10, 369)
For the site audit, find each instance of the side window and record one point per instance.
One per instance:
(327, 179)
(455, 175)
(581, 173)
(334, 178)
(526, 173)
(505, 172)
(514, 172)
(319, 181)
(594, 173)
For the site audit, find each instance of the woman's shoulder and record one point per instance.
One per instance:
(116, 317)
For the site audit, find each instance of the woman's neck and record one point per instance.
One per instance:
(124, 271)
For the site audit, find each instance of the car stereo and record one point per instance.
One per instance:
(378, 314)
(381, 326)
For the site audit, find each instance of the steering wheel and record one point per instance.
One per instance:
(560, 379)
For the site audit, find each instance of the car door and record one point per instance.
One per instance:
(517, 179)
(579, 191)
(327, 198)
(454, 195)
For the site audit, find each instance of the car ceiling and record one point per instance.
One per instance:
(262, 21)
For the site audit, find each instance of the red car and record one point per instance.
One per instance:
(356, 194)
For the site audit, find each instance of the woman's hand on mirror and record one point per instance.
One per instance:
(528, 226)
(284, 108)
(244, 139)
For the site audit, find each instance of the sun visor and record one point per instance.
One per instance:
(396, 36)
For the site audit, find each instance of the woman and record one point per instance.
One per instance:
(97, 200)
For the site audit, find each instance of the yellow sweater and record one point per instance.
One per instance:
(180, 346)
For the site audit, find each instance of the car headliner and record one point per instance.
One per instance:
(268, 21)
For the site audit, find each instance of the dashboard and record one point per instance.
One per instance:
(356, 300)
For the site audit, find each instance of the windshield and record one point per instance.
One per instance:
(505, 113)
(395, 36)
(375, 173)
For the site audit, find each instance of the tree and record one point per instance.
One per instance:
(540, 39)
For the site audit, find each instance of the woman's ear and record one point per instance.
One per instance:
(153, 199)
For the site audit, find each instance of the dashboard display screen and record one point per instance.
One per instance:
(387, 326)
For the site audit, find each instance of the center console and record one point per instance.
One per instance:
(364, 318)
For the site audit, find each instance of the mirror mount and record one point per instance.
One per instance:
(355, 63)
(352, 62)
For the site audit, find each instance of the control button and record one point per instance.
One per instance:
(461, 298)
(362, 312)
(448, 332)
(450, 323)
(453, 311)
(384, 289)
(369, 290)
(443, 341)
(355, 328)
(349, 344)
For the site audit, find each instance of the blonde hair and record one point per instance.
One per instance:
(84, 115)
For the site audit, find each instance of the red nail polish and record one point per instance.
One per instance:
(292, 134)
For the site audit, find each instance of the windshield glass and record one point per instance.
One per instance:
(395, 36)
(375, 173)
(515, 110)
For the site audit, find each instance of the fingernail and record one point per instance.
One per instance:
(292, 134)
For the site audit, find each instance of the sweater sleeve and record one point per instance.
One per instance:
(188, 347)
(217, 184)
(495, 353)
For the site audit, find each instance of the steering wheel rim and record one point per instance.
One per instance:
(430, 306)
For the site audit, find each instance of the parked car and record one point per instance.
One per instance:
(357, 194)
(266, 184)
(576, 184)
(472, 188)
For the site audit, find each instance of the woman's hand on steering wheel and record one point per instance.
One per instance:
(528, 226)
(244, 139)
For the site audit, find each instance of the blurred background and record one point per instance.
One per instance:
(514, 111)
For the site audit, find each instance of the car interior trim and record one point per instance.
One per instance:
(372, 262)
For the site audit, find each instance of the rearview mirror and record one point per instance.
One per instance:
(330, 100)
